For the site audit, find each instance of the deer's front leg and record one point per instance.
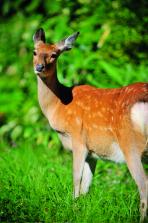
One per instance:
(79, 156)
(88, 172)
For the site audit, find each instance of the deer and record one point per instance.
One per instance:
(93, 122)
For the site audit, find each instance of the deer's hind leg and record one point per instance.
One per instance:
(132, 152)
(88, 172)
(136, 169)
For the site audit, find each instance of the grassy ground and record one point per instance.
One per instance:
(36, 186)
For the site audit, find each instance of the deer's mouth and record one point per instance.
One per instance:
(40, 69)
(40, 73)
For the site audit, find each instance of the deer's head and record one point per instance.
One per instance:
(45, 55)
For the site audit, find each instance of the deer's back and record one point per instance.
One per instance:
(97, 115)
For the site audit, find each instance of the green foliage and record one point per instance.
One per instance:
(111, 51)
(113, 64)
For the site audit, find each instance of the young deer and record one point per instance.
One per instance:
(109, 123)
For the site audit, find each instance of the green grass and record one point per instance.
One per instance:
(36, 186)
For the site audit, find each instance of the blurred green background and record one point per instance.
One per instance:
(111, 51)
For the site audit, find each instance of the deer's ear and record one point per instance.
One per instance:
(39, 36)
(67, 44)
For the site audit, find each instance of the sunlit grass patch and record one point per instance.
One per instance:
(36, 186)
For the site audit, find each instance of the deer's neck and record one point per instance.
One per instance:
(48, 94)
(51, 93)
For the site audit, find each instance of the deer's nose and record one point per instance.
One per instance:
(39, 67)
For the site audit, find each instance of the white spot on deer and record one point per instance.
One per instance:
(78, 120)
(95, 126)
(87, 108)
(69, 112)
(99, 114)
(79, 103)
(89, 116)
(103, 109)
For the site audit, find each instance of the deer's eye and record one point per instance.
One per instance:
(34, 53)
(53, 55)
